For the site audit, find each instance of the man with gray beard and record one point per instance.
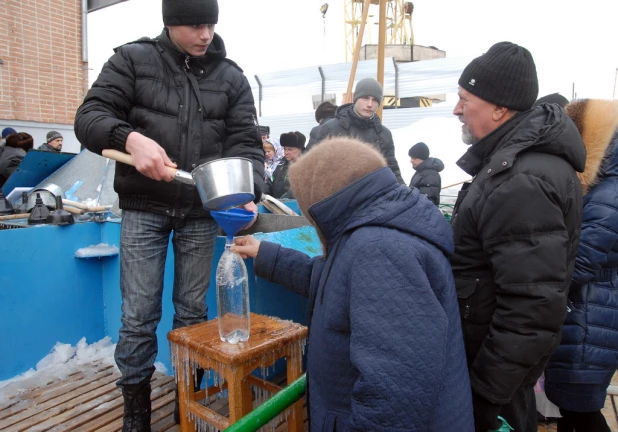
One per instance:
(516, 227)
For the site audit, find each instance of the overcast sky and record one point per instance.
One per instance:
(571, 41)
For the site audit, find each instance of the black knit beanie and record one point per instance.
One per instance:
(190, 12)
(325, 110)
(368, 87)
(505, 75)
(419, 151)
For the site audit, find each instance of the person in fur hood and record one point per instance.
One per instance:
(579, 372)
(386, 349)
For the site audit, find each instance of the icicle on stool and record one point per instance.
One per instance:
(199, 346)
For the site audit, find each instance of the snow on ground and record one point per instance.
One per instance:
(62, 361)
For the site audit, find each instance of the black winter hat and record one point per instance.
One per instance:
(419, 151)
(264, 130)
(190, 12)
(505, 75)
(290, 139)
(554, 98)
(324, 110)
(301, 139)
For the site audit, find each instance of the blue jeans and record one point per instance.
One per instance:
(144, 238)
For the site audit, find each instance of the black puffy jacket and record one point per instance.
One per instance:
(427, 179)
(347, 123)
(516, 229)
(197, 108)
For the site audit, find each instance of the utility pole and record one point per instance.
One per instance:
(381, 43)
(359, 42)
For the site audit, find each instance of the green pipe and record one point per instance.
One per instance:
(271, 408)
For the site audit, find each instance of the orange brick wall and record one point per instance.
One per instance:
(42, 78)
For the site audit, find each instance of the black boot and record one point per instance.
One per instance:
(199, 373)
(136, 407)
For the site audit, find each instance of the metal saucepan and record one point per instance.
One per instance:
(222, 183)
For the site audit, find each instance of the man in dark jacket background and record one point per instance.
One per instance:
(385, 351)
(359, 120)
(53, 142)
(516, 228)
(324, 112)
(174, 100)
(427, 176)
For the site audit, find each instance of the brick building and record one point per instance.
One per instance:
(43, 79)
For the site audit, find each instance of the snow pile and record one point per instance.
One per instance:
(62, 361)
(99, 250)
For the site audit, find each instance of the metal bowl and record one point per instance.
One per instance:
(224, 183)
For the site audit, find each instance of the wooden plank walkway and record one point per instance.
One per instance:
(89, 401)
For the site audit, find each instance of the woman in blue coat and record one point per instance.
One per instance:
(580, 371)
(385, 348)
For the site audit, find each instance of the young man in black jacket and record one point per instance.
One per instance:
(359, 120)
(427, 176)
(174, 100)
(516, 229)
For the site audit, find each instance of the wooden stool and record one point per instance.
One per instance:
(200, 346)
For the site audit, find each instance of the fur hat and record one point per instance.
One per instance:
(290, 139)
(20, 140)
(554, 98)
(325, 110)
(318, 175)
(190, 12)
(301, 139)
(419, 151)
(53, 135)
(7, 131)
(505, 75)
(597, 122)
(368, 87)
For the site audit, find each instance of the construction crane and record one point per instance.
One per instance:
(398, 23)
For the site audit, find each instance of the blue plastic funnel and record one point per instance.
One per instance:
(231, 221)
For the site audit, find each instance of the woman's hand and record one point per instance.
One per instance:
(246, 247)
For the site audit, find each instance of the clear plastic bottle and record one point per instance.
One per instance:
(232, 297)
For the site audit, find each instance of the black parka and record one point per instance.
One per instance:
(348, 123)
(197, 108)
(516, 229)
(427, 179)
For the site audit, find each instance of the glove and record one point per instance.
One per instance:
(485, 414)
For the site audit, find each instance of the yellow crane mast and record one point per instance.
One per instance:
(398, 23)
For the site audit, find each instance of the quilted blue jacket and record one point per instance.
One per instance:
(582, 367)
(385, 348)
